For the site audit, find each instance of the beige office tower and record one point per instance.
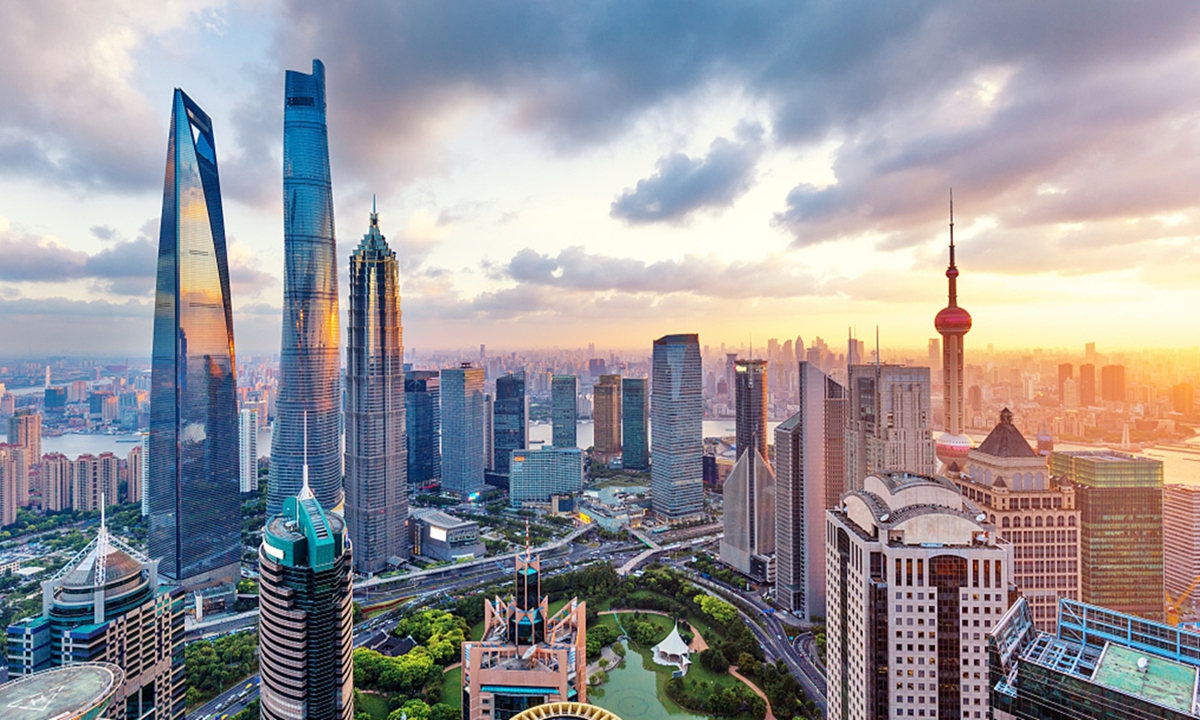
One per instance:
(527, 656)
(1181, 549)
(56, 482)
(606, 409)
(1036, 513)
(916, 577)
(14, 481)
(888, 422)
(133, 476)
(25, 429)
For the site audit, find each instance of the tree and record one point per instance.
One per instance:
(442, 711)
(414, 709)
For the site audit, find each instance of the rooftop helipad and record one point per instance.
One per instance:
(75, 692)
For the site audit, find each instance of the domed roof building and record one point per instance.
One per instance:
(106, 605)
(566, 711)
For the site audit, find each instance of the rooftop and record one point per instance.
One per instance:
(1162, 681)
(61, 694)
(438, 518)
(1006, 441)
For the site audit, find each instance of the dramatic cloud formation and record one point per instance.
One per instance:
(684, 185)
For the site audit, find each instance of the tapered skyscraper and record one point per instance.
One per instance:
(376, 451)
(309, 367)
(193, 494)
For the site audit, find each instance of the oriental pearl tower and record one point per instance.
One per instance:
(952, 324)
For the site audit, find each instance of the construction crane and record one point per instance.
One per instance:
(1173, 605)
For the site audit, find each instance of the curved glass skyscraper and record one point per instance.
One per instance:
(193, 495)
(309, 367)
(376, 452)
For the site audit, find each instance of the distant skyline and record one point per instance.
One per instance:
(565, 174)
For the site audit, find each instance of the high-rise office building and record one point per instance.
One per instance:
(107, 605)
(145, 474)
(810, 474)
(887, 422)
(635, 424)
(423, 426)
(1181, 546)
(606, 410)
(1112, 383)
(133, 475)
(916, 578)
(462, 429)
(1183, 398)
(376, 449)
(1121, 528)
(952, 323)
(193, 498)
(676, 415)
(489, 432)
(55, 474)
(564, 389)
(935, 359)
(310, 391)
(14, 481)
(537, 474)
(750, 401)
(248, 450)
(1034, 512)
(1100, 665)
(94, 481)
(306, 618)
(25, 429)
(527, 657)
(748, 520)
(1066, 371)
(1087, 385)
(510, 418)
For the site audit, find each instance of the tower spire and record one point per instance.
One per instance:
(305, 491)
(952, 270)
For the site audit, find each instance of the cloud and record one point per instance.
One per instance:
(684, 185)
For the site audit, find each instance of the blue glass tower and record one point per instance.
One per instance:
(193, 496)
(635, 421)
(676, 416)
(423, 425)
(309, 367)
(511, 418)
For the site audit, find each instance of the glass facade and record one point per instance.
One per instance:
(635, 421)
(510, 419)
(423, 423)
(677, 414)
(376, 451)
(193, 496)
(310, 361)
(462, 429)
(750, 399)
(564, 390)
(1119, 498)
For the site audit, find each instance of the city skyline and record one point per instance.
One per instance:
(652, 181)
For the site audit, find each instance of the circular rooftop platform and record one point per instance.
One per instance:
(573, 710)
(75, 692)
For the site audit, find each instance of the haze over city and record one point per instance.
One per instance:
(562, 174)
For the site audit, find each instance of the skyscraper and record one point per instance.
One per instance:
(107, 605)
(748, 521)
(635, 423)
(94, 481)
(376, 449)
(193, 498)
(1181, 545)
(1112, 383)
(248, 450)
(133, 475)
(537, 474)
(25, 429)
(750, 399)
(1120, 501)
(677, 414)
(564, 389)
(511, 419)
(1087, 385)
(953, 323)
(309, 360)
(887, 422)
(908, 554)
(306, 620)
(462, 429)
(55, 475)
(809, 478)
(423, 426)
(528, 656)
(1066, 372)
(606, 409)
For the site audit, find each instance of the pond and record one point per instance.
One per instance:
(632, 693)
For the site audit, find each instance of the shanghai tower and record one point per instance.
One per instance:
(376, 447)
(194, 493)
(309, 367)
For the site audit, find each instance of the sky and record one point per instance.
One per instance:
(553, 174)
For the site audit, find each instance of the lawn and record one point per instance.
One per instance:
(377, 705)
(452, 688)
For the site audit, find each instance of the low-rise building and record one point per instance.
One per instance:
(440, 536)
